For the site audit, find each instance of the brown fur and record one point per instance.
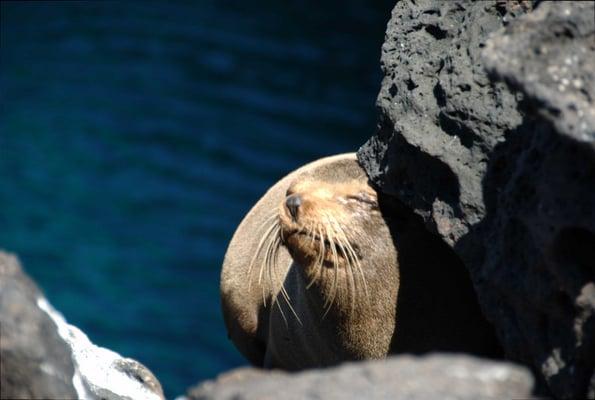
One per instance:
(329, 285)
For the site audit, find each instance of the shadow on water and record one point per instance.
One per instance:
(134, 136)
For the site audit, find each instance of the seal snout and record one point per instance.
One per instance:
(293, 203)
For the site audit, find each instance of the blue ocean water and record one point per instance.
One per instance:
(134, 136)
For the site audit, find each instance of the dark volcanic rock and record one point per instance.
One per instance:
(549, 55)
(44, 357)
(440, 114)
(35, 362)
(544, 217)
(405, 377)
(487, 131)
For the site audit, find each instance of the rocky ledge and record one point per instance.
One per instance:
(43, 357)
(403, 377)
(487, 130)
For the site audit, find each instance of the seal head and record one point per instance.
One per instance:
(324, 269)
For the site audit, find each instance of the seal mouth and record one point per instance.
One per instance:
(317, 238)
(327, 258)
(303, 234)
(320, 248)
(326, 242)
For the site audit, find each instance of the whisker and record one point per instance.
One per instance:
(315, 230)
(282, 313)
(273, 224)
(311, 233)
(273, 231)
(269, 269)
(282, 289)
(270, 262)
(331, 300)
(263, 269)
(348, 268)
(355, 260)
(320, 258)
(259, 248)
(339, 235)
(272, 274)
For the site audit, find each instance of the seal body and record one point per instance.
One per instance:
(323, 270)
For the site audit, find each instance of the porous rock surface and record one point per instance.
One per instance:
(44, 357)
(487, 130)
(35, 362)
(404, 377)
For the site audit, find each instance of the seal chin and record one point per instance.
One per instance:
(300, 244)
(304, 248)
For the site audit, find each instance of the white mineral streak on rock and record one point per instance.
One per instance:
(96, 375)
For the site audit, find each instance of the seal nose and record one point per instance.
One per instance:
(293, 203)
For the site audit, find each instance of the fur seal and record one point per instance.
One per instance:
(324, 269)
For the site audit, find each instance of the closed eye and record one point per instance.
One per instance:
(363, 198)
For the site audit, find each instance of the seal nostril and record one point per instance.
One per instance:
(293, 203)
